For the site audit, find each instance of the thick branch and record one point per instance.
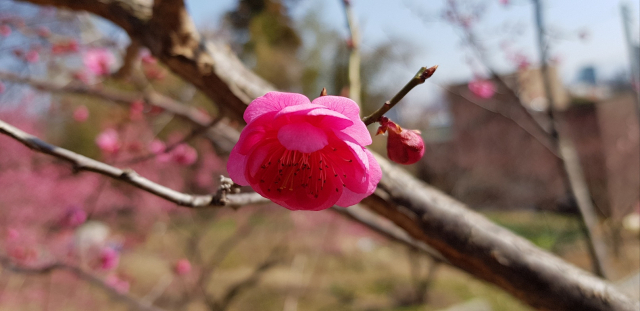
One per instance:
(82, 163)
(83, 275)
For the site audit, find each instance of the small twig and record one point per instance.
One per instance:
(194, 133)
(81, 274)
(250, 281)
(82, 163)
(423, 74)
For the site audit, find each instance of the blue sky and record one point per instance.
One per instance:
(437, 42)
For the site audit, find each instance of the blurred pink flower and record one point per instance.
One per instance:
(403, 146)
(74, 217)
(70, 46)
(32, 56)
(184, 154)
(117, 283)
(147, 58)
(136, 110)
(12, 234)
(99, 61)
(81, 113)
(5, 30)
(305, 155)
(108, 141)
(157, 146)
(482, 88)
(182, 267)
(109, 258)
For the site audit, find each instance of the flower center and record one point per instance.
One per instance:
(299, 171)
(303, 137)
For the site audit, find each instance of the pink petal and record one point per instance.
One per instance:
(302, 137)
(316, 114)
(339, 104)
(236, 166)
(272, 101)
(349, 197)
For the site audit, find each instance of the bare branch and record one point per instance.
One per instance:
(83, 275)
(82, 163)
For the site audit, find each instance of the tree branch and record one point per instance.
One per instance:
(83, 275)
(82, 163)
(423, 74)
(466, 239)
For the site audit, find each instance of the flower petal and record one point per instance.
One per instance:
(349, 197)
(302, 137)
(316, 114)
(342, 105)
(272, 101)
(236, 166)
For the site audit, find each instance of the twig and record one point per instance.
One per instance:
(355, 85)
(194, 133)
(423, 74)
(82, 163)
(250, 281)
(572, 172)
(83, 275)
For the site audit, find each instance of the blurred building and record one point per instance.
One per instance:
(496, 156)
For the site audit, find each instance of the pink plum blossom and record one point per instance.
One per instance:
(305, 155)
(99, 61)
(81, 113)
(184, 154)
(403, 146)
(32, 56)
(74, 217)
(108, 141)
(136, 110)
(120, 285)
(482, 88)
(182, 267)
(109, 258)
(5, 30)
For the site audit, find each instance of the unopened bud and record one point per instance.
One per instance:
(403, 146)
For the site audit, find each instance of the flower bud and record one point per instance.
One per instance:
(403, 146)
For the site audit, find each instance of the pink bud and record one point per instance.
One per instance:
(403, 146)
(108, 141)
(157, 146)
(147, 59)
(109, 258)
(182, 267)
(81, 113)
